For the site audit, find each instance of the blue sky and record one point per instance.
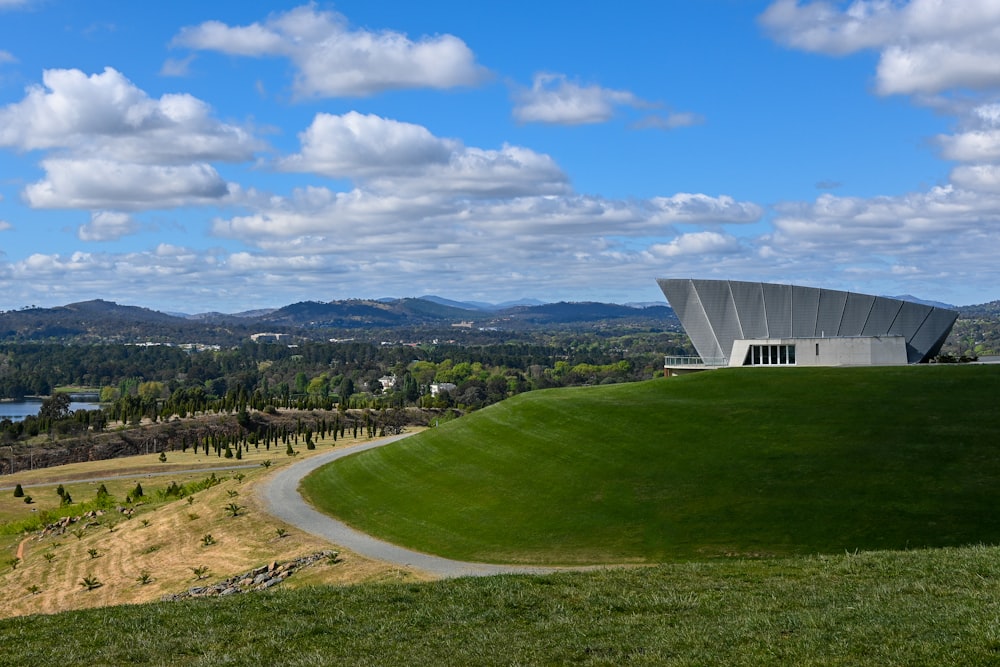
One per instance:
(193, 156)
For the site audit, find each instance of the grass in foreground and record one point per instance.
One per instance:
(764, 462)
(922, 608)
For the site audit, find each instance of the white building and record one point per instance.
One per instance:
(733, 323)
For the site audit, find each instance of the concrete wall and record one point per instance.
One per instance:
(847, 351)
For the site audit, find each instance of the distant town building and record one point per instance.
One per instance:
(438, 387)
(267, 337)
(734, 323)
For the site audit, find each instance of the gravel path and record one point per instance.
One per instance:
(281, 497)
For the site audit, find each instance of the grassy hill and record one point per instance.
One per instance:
(763, 463)
(934, 607)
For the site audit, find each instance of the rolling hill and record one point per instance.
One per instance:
(768, 462)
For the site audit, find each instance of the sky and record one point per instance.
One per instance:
(227, 156)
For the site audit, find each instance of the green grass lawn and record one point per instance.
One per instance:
(936, 607)
(767, 462)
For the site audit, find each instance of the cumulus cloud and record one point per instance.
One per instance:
(107, 226)
(405, 159)
(697, 243)
(926, 46)
(888, 223)
(101, 184)
(555, 100)
(154, 153)
(107, 113)
(334, 60)
(355, 144)
(702, 209)
(327, 221)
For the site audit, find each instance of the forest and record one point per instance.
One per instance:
(156, 382)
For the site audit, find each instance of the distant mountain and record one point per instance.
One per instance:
(106, 321)
(924, 302)
(567, 312)
(465, 305)
(482, 305)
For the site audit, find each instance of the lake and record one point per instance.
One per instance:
(18, 410)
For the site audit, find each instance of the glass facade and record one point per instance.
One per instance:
(770, 355)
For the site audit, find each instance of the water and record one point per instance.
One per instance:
(18, 410)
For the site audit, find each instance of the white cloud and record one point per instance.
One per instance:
(927, 46)
(358, 145)
(177, 66)
(4, 226)
(154, 153)
(979, 177)
(887, 224)
(702, 209)
(106, 113)
(107, 226)
(104, 184)
(670, 121)
(555, 100)
(14, 4)
(333, 60)
(7, 57)
(697, 243)
(404, 159)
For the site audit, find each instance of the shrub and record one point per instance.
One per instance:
(90, 583)
(200, 572)
(28, 500)
(18, 491)
(144, 578)
(207, 540)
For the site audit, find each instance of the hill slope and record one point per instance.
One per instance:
(767, 462)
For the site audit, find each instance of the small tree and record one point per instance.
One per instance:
(18, 491)
(234, 509)
(28, 500)
(60, 491)
(137, 492)
(163, 457)
(67, 499)
(200, 572)
(93, 553)
(144, 578)
(13, 562)
(90, 583)
(207, 540)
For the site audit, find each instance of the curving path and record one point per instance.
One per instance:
(281, 496)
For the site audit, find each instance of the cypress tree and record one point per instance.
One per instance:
(18, 491)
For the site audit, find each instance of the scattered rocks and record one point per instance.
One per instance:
(257, 579)
(59, 527)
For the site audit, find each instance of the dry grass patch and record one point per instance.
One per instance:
(163, 544)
